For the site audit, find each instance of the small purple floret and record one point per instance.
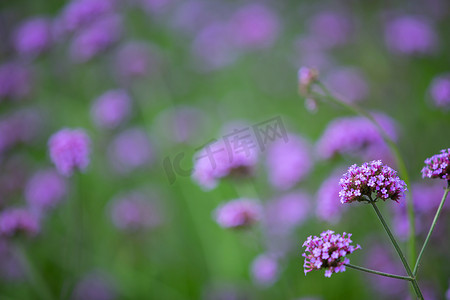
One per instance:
(438, 166)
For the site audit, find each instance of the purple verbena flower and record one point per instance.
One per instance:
(33, 37)
(410, 35)
(438, 166)
(328, 207)
(238, 213)
(111, 109)
(348, 84)
(96, 38)
(131, 149)
(218, 160)
(440, 91)
(44, 190)
(135, 59)
(15, 81)
(69, 150)
(254, 26)
(359, 183)
(265, 270)
(306, 77)
(328, 252)
(15, 221)
(288, 162)
(134, 211)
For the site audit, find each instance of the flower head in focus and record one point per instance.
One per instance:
(438, 166)
(69, 150)
(328, 252)
(359, 183)
(238, 213)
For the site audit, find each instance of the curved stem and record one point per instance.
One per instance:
(378, 272)
(398, 249)
(394, 150)
(433, 224)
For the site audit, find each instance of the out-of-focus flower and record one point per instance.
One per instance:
(156, 6)
(287, 211)
(356, 136)
(410, 35)
(328, 252)
(348, 84)
(288, 162)
(11, 268)
(225, 292)
(135, 59)
(134, 211)
(192, 15)
(218, 160)
(265, 270)
(438, 166)
(254, 26)
(131, 149)
(238, 213)
(331, 28)
(69, 150)
(15, 81)
(95, 286)
(213, 46)
(359, 183)
(379, 258)
(329, 208)
(111, 109)
(440, 91)
(44, 190)
(79, 13)
(96, 38)
(306, 77)
(15, 221)
(33, 37)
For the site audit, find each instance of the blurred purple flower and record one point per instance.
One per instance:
(288, 162)
(438, 166)
(192, 15)
(134, 211)
(359, 183)
(238, 213)
(69, 150)
(79, 13)
(265, 270)
(96, 38)
(135, 59)
(44, 190)
(328, 252)
(329, 208)
(10, 267)
(15, 221)
(95, 286)
(156, 6)
(33, 37)
(410, 35)
(216, 161)
(288, 211)
(254, 26)
(213, 46)
(131, 149)
(331, 28)
(15, 81)
(348, 84)
(440, 91)
(356, 136)
(111, 109)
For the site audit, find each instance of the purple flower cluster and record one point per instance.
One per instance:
(69, 150)
(356, 136)
(45, 189)
(438, 166)
(359, 183)
(238, 213)
(33, 37)
(14, 221)
(328, 252)
(440, 90)
(111, 109)
(288, 162)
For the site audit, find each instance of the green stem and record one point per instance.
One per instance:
(394, 150)
(378, 272)
(34, 277)
(436, 216)
(398, 249)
